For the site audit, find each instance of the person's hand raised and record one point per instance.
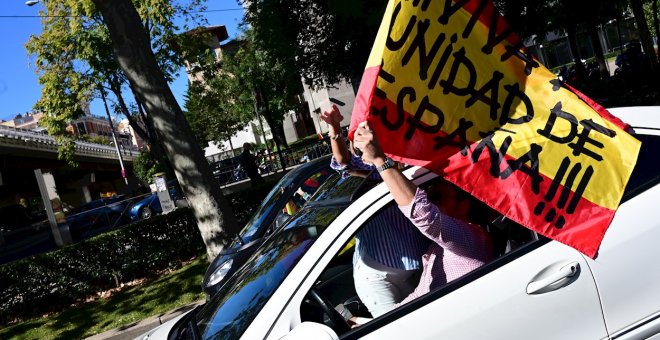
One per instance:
(332, 116)
(365, 140)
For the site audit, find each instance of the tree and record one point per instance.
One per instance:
(651, 15)
(75, 61)
(644, 33)
(145, 167)
(246, 79)
(529, 18)
(322, 41)
(213, 105)
(130, 45)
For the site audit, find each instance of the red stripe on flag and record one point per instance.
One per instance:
(583, 229)
(600, 109)
(362, 104)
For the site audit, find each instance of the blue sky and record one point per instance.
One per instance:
(19, 86)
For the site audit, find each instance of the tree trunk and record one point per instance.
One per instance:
(155, 145)
(273, 126)
(598, 52)
(571, 33)
(644, 33)
(656, 25)
(133, 52)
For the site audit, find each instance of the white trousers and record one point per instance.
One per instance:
(381, 287)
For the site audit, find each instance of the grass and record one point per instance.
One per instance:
(170, 291)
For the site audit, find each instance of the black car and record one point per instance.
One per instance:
(286, 197)
(227, 171)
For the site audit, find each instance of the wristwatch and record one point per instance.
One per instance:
(336, 136)
(389, 163)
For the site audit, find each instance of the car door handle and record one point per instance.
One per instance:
(553, 280)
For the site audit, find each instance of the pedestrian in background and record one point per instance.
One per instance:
(249, 164)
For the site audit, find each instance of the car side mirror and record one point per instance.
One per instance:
(311, 330)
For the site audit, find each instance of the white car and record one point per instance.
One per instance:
(298, 284)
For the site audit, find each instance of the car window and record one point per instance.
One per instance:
(647, 169)
(336, 286)
(287, 196)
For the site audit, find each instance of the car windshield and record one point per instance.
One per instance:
(277, 198)
(343, 187)
(231, 310)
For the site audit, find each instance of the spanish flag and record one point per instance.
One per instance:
(453, 89)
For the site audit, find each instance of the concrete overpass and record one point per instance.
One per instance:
(23, 151)
(31, 174)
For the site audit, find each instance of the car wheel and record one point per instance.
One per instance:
(145, 213)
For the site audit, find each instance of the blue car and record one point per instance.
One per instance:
(97, 216)
(150, 206)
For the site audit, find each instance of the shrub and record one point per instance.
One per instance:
(52, 281)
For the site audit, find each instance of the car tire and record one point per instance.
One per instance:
(146, 213)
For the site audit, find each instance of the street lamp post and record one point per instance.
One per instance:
(114, 138)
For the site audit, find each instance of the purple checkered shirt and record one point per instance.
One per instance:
(457, 248)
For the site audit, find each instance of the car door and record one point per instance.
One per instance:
(497, 305)
(543, 290)
(626, 269)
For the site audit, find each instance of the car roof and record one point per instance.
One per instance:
(647, 117)
(319, 163)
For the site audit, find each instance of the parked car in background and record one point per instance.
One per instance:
(13, 217)
(98, 216)
(149, 206)
(227, 171)
(288, 195)
(298, 284)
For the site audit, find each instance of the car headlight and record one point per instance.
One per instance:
(220, 273)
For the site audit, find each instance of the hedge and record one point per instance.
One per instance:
(53, 281)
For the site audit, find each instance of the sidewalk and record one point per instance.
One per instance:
(134, 330)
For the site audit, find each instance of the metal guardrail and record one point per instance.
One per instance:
(231, 171)
(28, 139)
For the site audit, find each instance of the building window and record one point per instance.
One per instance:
(81, 129)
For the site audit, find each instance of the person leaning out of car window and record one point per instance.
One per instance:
(441, 214)
(388, 249)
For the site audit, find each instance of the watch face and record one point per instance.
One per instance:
(389, 163)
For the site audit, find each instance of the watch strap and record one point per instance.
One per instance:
(389, 163)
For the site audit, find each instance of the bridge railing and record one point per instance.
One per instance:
(36, 138)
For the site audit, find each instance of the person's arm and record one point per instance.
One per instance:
(450, 233)
(333, 117)
(402, 189)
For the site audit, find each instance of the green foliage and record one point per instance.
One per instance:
(53, 281)
(224, 102)
(96, 139)
(153, 297)
(651, 16)
(144, 166)
(74, 57)
(322, 41)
